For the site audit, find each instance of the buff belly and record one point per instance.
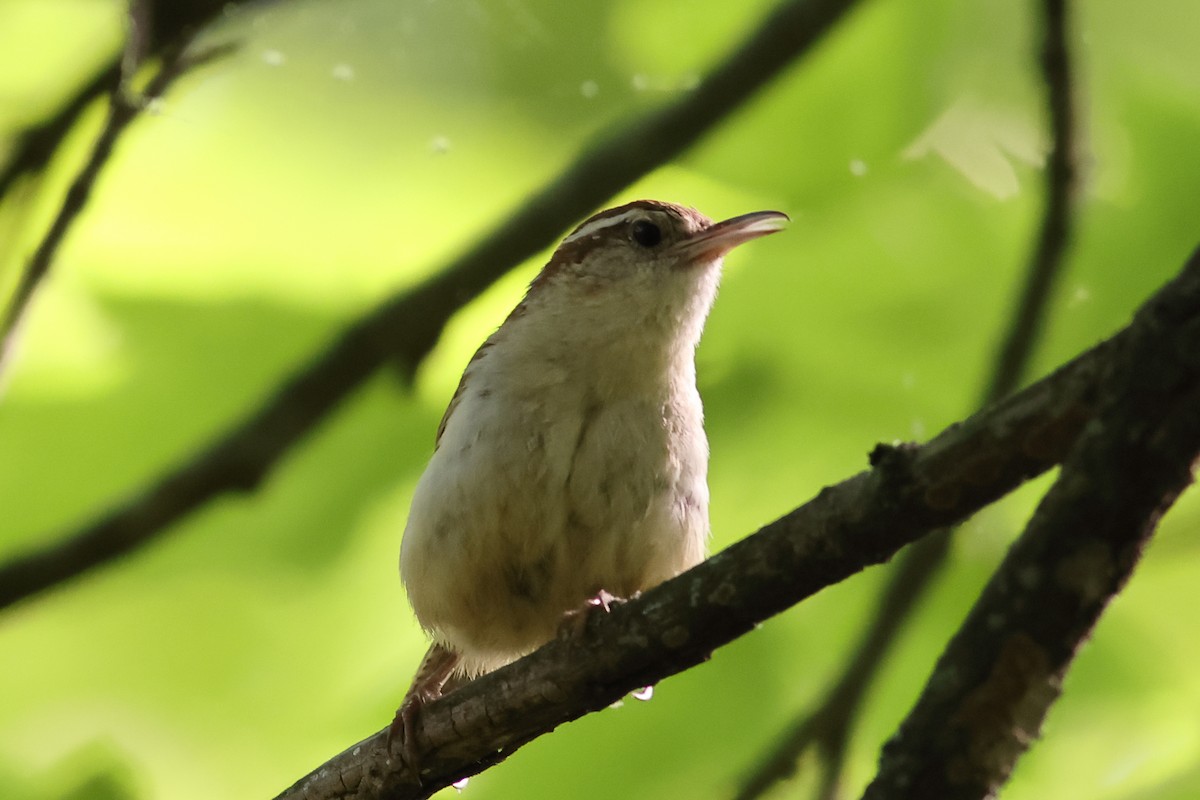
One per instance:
(512, 526)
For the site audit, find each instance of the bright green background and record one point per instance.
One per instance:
(346, 150)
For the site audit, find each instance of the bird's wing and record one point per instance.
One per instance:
(458, 392)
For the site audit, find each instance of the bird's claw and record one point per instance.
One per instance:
(574, 622)
(436, 667)
(403, 727)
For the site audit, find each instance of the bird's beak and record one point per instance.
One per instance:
(718, 239)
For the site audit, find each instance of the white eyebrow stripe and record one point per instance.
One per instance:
(590, 228)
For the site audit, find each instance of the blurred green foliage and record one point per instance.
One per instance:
(344, 151)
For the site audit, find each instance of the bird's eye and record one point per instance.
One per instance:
(646, 233)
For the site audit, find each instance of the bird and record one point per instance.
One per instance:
(570, 468)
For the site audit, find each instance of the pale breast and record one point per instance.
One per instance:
(529, 507)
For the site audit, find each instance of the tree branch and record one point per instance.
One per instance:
(139, 33)
(991, 689)
(862, 521)
(174, 23)
(828, 726)
(406, 327)
(1061, 187)
(123, 110)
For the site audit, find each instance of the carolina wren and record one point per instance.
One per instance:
(572, 461)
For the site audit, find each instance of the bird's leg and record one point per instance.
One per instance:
(426, 686)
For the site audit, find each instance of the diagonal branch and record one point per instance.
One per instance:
(861, 521)
(1054, 234)
(173, 23)
(995, 683)
(123, 110)
(828, 726)
(406, 327)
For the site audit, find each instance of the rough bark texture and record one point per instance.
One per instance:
(862, 521)
(981, 713)
(987, 698)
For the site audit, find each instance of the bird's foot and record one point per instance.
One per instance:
(426, 687)
(403, 728)
(574, 622)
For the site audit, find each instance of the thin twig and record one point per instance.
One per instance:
(1054, 235)
(122, 111)
(139, 28)
(828, 726)
(847, 527)
(37, 144)
(174, 23)
(406, 327)
(986, 700)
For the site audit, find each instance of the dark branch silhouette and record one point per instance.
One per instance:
(1054, 235)
(405, 328)
(162, 26)
(864, 520)
(123, 110)
(990, 691)
(154, 29)
(827, 727)
(1120, 418)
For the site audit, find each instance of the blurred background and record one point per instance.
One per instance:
(346, 150)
